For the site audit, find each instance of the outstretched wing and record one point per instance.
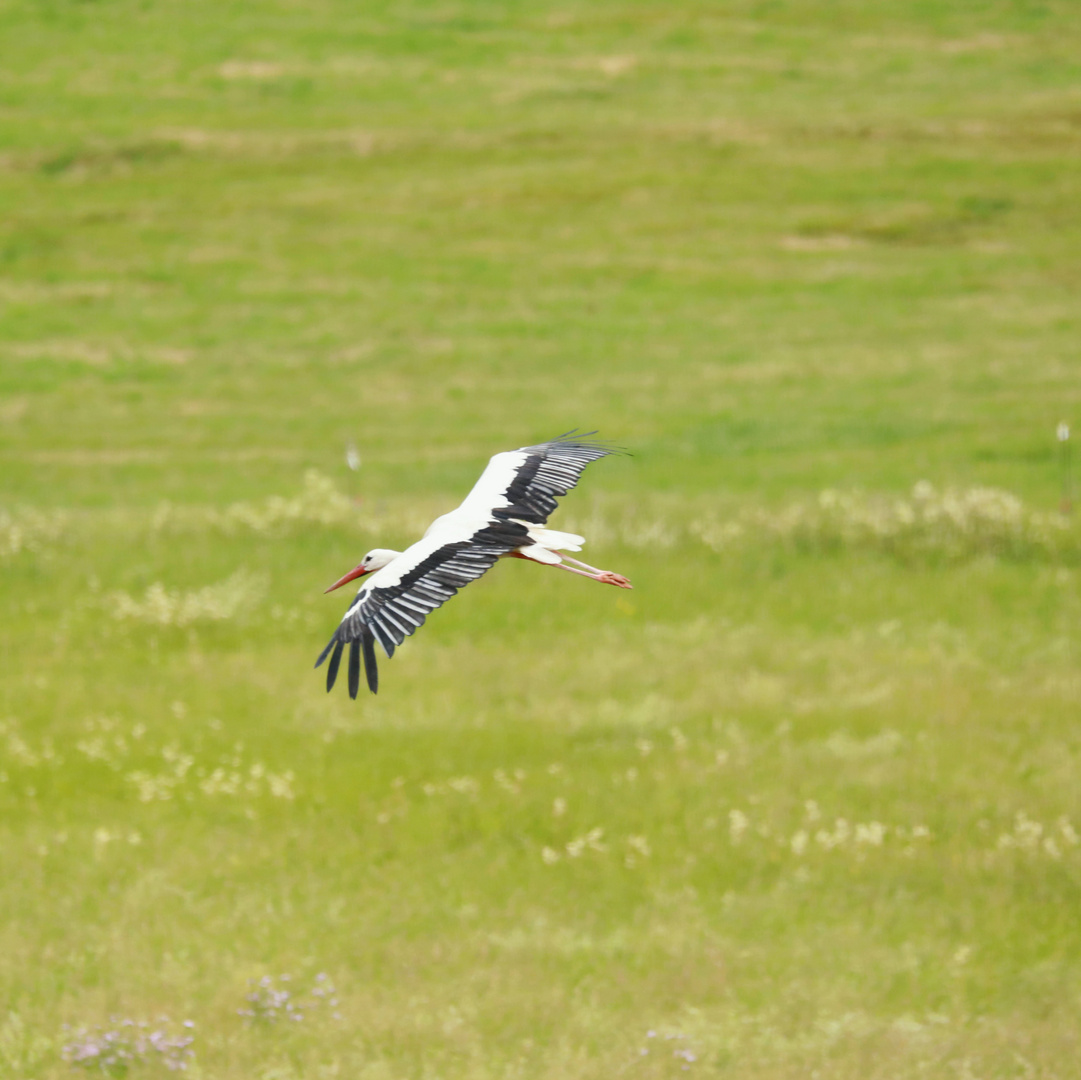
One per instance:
(523, 485)
(396, 600)
(517, 489)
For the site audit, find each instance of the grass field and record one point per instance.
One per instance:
(804, 804)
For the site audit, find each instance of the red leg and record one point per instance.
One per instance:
(606, 577)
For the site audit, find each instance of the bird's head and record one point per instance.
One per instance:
(376, 559)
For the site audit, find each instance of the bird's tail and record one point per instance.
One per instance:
(554, 540)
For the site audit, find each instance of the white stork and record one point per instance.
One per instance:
(502, 516)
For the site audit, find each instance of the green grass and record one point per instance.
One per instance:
(806, 802)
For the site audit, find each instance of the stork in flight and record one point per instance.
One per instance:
(502, 516)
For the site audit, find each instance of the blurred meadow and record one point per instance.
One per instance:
(804, 804)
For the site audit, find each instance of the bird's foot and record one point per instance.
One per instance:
(614, 579)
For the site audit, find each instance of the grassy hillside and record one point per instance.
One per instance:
(804, 803)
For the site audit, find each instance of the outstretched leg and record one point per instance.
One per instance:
(604, 576)
(578, 562)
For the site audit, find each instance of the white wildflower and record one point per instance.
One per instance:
(160, 607)
(591, 840)
(872, 833)
(738, 824)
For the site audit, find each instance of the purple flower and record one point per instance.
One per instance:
(268, 1002)
(111, 1051)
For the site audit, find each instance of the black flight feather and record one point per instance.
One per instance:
(371, 670)
(335, 660)
(323, 654)
(354, 668)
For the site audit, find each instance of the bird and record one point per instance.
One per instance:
(503, 516)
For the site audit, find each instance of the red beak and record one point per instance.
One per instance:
(356, 572)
